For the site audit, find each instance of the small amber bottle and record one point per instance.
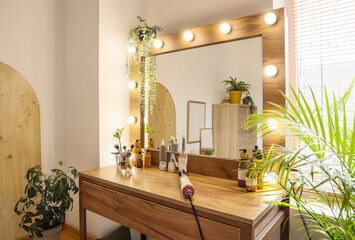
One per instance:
(147, 159)
(151, 143)
(139, 160)
(136, 150)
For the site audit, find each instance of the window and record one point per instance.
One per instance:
(323, 46)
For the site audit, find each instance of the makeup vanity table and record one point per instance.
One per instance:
(149, 201)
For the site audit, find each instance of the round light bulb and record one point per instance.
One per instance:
(225, 28)
(272, 124)
(270, 18)
(131, 49)
(132, 84)
(131, 120)
(188, 36)
(271, 70)
(158, 43)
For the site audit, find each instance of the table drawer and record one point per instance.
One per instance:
(152, 219)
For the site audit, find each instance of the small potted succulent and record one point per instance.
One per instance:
(249, 101)
(236, 89)
(48, 197)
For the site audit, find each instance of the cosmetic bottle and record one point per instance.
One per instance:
(256, 153)
(139, 160)
(251, 179)
(136, 150)
(131, 158)
(172, 161)
(147, 159)
(183, 156)
(176, 145)
(162, 157)
(242, 169)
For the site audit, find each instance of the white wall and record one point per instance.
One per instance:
(81, 94)
(31, 42)
(116, 18)
(196, 75)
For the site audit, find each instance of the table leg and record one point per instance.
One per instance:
(285, 225)
(143, 236)
(82, 213)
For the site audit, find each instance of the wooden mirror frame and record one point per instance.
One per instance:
(273, 47)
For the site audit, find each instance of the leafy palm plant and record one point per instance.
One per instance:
(324, 163)
(236, 86)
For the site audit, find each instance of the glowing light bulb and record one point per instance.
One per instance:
(158, 43)
(132, 84)
(271, 70)
(225, 28)
(272, 124)
(131, 120)
(131, 49)
(270, 18)
(188, 36)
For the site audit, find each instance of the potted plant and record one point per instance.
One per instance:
(150, 131)
(141, 39)
(324, 164)
(249, 101)
(118, 135)
(48, 197)
(235, 89)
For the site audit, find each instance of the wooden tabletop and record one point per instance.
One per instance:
(215, 198)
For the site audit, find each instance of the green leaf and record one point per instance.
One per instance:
(31, 192)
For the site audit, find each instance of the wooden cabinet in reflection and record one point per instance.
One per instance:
(228, 136)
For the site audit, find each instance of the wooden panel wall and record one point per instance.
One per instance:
(20, 145)
(273, 40)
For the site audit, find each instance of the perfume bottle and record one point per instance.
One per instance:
(162, 157)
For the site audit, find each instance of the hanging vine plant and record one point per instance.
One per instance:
(139, 42)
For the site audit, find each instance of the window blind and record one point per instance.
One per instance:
(322, 33)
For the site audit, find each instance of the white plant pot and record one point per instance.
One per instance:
(51, 234)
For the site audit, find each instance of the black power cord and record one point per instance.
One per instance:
(193, 209)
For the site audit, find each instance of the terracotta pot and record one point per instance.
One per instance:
(51, 234)
(235, 96)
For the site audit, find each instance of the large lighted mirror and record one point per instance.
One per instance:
(193, 78)
(253, 51)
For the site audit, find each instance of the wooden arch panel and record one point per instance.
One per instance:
(20, 145)
(163, 118)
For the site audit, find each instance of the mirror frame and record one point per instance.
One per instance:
(273, 47)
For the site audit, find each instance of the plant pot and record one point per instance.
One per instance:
(235, 96)
(51, 234)
(246, 101)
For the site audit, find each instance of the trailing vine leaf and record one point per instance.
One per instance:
(141, 39)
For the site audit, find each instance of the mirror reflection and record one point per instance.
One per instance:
(191, 98)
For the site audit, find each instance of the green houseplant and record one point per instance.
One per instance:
(324, 163)
(47, 198)
(118, 135)
(236, 89)
(140, 39)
